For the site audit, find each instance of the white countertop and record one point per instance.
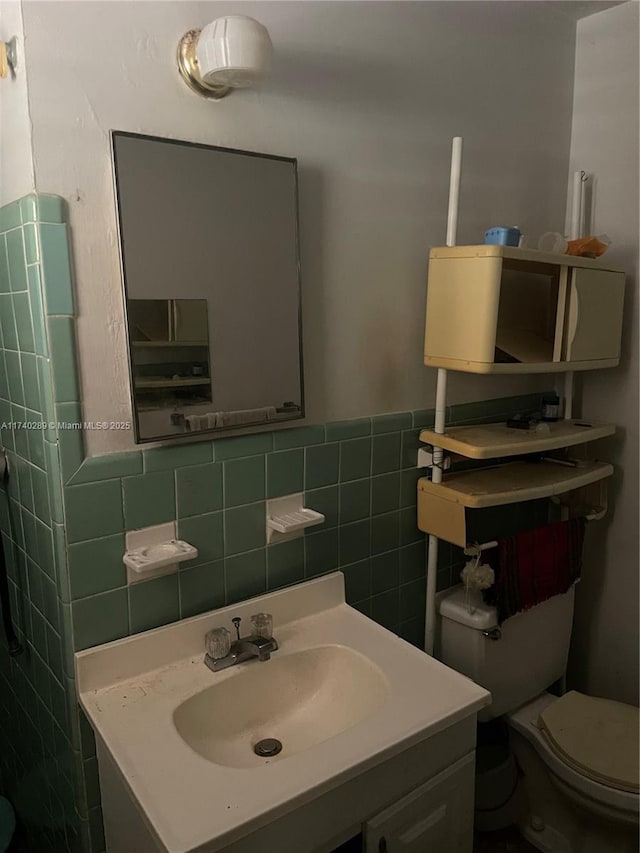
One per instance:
(130, 689)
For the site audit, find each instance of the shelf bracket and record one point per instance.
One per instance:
(425, 460)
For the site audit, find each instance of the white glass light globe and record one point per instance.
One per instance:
(234, 51)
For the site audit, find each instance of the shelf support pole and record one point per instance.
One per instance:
(441, 405)
(575, 231)
(454, 190)
(432, 553)
(568, 395)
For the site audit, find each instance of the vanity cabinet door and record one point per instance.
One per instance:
(435, 818)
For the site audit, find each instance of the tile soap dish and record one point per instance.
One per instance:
(289, 522)
(150, 557)
(287, 517)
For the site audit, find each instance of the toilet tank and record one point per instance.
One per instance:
(530, 655)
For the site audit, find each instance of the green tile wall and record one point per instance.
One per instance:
(41, 731)
(366, 486)
(70, 515)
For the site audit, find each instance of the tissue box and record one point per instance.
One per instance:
(502, 236)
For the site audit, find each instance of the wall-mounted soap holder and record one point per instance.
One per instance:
(287, 517)
(150, 557)
(289, 522)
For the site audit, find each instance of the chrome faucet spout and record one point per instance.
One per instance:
(255, 647)
(241, 650)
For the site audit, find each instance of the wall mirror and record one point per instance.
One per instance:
(210, 267)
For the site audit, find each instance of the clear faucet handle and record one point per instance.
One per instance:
(217, 643)
(262, 625)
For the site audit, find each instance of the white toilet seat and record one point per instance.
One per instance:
(598, 738)
(525, 721)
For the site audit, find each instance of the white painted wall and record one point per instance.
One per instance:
(605, 143)
(16, 161)
(367, 96)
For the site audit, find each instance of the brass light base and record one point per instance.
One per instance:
(8, 58)
(190, 70)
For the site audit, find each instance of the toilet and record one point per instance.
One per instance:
(577, 755)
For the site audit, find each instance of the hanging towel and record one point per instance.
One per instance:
(534, 566)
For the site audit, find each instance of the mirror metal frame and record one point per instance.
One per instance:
(223, 431)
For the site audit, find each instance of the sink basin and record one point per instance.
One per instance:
(301, 699)
(347, 699)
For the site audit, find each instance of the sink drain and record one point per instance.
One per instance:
(267, 747)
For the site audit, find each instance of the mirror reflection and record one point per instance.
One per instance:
(209, 248)
(169, 353)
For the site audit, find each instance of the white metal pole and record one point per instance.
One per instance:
(575, 229)
(568, 395)
(436, 476)
(564, 511)
(454, 190)
(441, 405)
(430, 604)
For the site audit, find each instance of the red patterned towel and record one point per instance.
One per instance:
(534, 566)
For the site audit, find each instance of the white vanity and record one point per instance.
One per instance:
(377, 737)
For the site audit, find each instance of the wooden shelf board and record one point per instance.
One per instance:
(170, 344)
(486, 250)
(526, 346)
(514, 482)
(170, 383)
(490, 441)
(518, 366)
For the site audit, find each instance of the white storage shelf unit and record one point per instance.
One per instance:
(445, 509)
(498, 309)
(492, 441)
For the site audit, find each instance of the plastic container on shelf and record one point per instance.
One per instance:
(552, 241)
(502, 236)
(550, 407)
(588, 247)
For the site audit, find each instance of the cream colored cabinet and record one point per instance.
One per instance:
(498, 309)
(190, 320)
(435, 818)
(593, 324)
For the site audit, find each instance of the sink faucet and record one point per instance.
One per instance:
(221, 653)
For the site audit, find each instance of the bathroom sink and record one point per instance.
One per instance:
(198, 752)
(300, 699)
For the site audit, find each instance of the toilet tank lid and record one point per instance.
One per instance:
(472, 612)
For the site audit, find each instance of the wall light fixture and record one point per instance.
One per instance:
(8, 57)
(229, 53)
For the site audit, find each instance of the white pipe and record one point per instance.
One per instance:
(454, 190)
(575, 229)
(436, 477)
(568, 395)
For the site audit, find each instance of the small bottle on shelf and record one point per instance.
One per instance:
(550, 407)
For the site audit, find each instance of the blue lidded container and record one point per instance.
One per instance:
(502, 236)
